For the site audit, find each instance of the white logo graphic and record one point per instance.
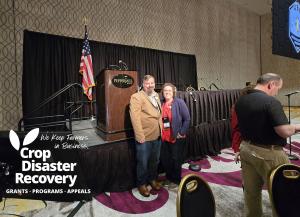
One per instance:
(29, 138)
(39, 161)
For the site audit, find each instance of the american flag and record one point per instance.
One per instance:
(86, 67)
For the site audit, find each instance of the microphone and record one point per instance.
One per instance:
(192, 95)
(114, 67)
(292, 93)
(124, 64)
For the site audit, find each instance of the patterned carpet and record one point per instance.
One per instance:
(221, 172)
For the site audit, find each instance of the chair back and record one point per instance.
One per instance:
(284, 189)
(195, 198)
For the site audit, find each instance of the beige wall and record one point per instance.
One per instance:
(288, 68)
(224, 37)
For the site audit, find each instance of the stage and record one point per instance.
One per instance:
(87, 128)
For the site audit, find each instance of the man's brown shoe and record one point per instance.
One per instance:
(155, 185)
(144, 191)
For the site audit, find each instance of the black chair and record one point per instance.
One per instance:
(284, 189)
(195, 198)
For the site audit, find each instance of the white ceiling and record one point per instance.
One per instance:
(260, 7)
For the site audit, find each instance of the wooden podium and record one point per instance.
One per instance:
(113, 91)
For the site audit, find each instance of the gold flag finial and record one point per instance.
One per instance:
(85, 21)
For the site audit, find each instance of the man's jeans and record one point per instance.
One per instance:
(147, 156)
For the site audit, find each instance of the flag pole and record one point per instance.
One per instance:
(92, 110)
(86, 68)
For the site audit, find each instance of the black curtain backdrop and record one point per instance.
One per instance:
(50, 62)
(210, 130)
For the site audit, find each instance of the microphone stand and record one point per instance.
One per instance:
(291, 157)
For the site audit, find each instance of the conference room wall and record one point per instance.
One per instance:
(288, 68)
(224, 37)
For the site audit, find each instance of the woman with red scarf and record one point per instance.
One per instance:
(176, 121)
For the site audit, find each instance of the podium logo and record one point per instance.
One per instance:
(122, 81)
(29, 138)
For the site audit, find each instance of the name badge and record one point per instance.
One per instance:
(166, 122)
